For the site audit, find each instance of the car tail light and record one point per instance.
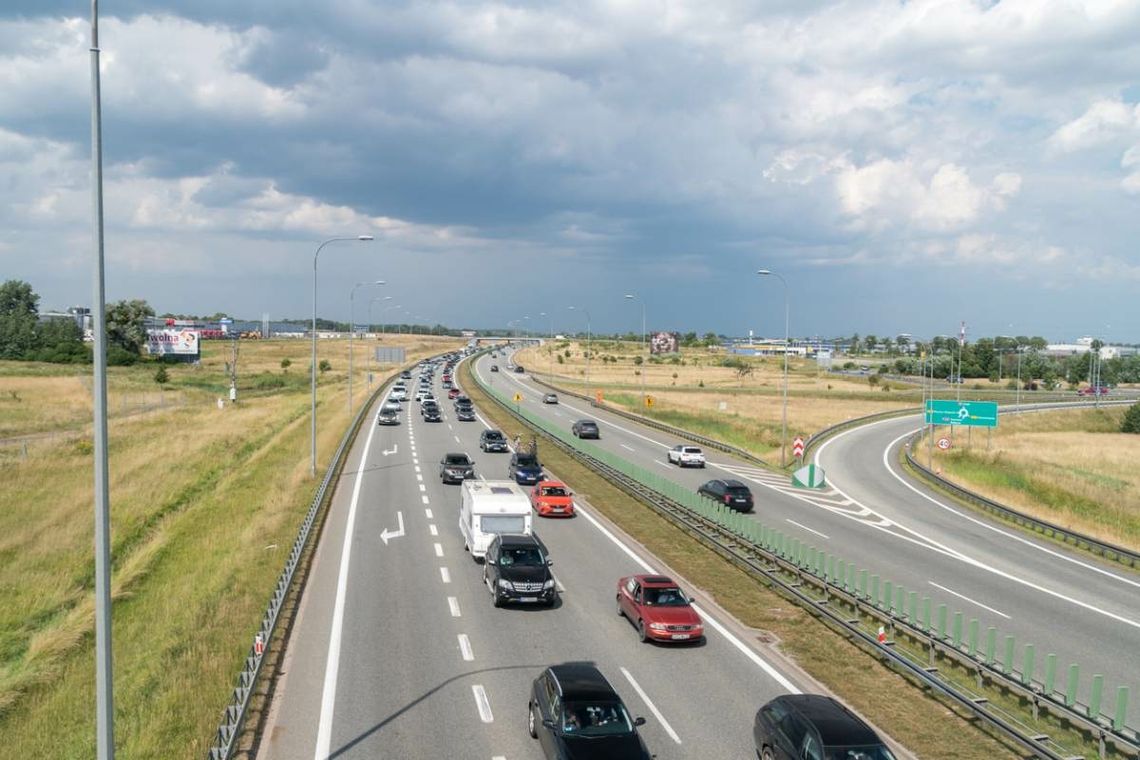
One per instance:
(728, 498)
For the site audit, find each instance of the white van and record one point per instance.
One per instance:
(488, 507)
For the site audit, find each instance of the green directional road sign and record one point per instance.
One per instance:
(967, 413)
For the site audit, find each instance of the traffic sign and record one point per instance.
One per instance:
(649, 401)
(798, 447)
(944, 443)
(809, 476)
(518, 397)
(965, 413)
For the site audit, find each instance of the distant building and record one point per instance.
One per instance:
(1083, 346)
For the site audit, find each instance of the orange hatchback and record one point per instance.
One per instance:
(659, 609)
(551, 498)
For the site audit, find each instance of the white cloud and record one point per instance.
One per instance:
(1104, 121)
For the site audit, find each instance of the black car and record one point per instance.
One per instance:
(524, 468)
(585, 429)
(812, 725)
(516, 569)
(430, 412)
(456, 468)
(575, 714)
(519, 369)
(465, 412)
(731, 493)
(493, 440)
(494, 367)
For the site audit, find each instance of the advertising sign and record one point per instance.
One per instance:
(664, 343)
(182, 342)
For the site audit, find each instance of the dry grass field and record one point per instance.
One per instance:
(204, 503)
(1073, 468)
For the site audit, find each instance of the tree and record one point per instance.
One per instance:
(711, 339)
(870, 342)
(19, 312)
(324, 366)
(126, 324)
(1131, 422)
(161, 376)
(286, 363)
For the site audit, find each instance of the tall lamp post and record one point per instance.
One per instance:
(784, 435)
(587, 313)
(544, 314)
(313, 368)
(645, 341)
(369, 362)
(352, 331)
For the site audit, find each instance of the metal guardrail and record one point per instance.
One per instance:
(1044, 527)
(711, 443)
(768, 553)
(233, 717)
(817, 438)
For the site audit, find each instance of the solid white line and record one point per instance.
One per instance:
(809, 530)
(465, 648)
(332, 662)
(627, 448)
(483, 703)
(968, 599)
(433, 530)
(453, 603)
(666, 465)
(427, 514)
(652, 707)
(424, 499)
(438, 550)
(445, 575)
(499, 757)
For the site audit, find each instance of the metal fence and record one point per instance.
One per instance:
(864, 605)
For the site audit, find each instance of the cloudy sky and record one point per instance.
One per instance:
(904, 165)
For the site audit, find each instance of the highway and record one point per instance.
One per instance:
(1061, 601)
(397, 652)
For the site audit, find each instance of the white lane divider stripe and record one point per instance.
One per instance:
(439, 550)
(332, 662)
(445, 574)
(627, 448)
(425, 499)
(483, 703)
(968, 599)
(457, 440)
(417, 468)
(419, 477)
(423, 487)
(659, 463)
(809, 530)
(652, 707)
(427, 513)
(453, 604)
(465, 648)
(433, 530)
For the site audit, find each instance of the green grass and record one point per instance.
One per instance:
(731, 428)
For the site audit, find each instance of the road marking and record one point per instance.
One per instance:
(809, 530)
(627, 448)
(332, 662)
(558, 414)
(449, 426)
(457, 440)
(968, 599)
(422, 486)
(483, 703)
(417, 468)
(445, 575)
(481, 477)
(659, 463)
(427, 513)
(419, 477)
(453, 603)
(433, 530)
(424, 499)
(465, 648)
(652, 707)
(740, 645)
(439, 550)
(558, 583)
(386, 534)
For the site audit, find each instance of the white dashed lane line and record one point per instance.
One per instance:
(627, 448)
(433, 530)
(423, 487)
(482, 703)
(427, 514)
(425, 499)
(465, 648)
(438, 550)
(453, 604)
(445, 574)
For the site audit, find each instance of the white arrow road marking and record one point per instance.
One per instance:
(483, 703)
(395, 448)
(386, 534)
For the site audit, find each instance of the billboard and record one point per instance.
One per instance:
(664, 343)
(183, 342)
(385, 355)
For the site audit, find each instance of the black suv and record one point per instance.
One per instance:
(516, 569)
(812, 725)
(430, 412)
(585, 429)
(731, 493)
(455, 468)
(524, 468)
(575, 712)
(493, 440)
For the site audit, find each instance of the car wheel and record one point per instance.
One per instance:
(531, 728)
(620, 611)
(641, 632)
(766, 754)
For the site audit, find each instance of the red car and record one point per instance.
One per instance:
(453, 393)
(1093, 391)
(551, 498)
(659, 609)
(446, 377)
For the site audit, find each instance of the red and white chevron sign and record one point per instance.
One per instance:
(798, 447)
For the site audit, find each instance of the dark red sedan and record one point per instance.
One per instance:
(659, 609)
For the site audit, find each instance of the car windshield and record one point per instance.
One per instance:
(494, 435)
(457, 459)
(665, 597)
(595, 719)
(873, 752)
(526, 460)
(554, 491)
(521, 556)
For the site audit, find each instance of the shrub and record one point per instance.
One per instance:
(700, 383)
(324, 366)
(117, 356)
(638, 360)
(162, 377)
(286, 363)
(1131, 421)
(561, 360)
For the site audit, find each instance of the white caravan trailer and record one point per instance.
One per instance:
(489, 507)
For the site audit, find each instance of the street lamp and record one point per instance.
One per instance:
(313, 368)
(572, 308)
(784, 435)
(645, 339)
(352, 330)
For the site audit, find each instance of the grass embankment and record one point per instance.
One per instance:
(205, 503)
(924, 724)
(1073, 468)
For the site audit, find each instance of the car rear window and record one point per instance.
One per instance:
(493, 436)
(691, 450)
(738, 491)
